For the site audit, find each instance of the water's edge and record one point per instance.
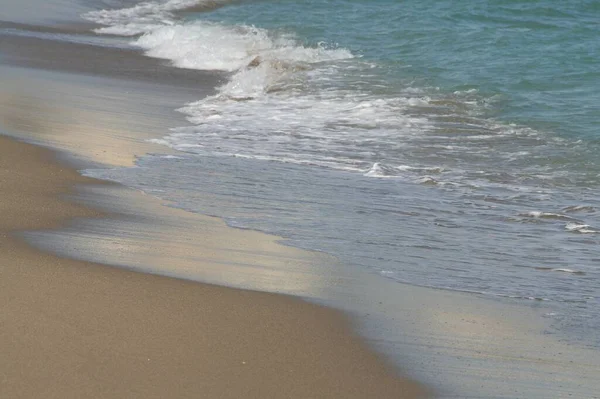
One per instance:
(462, 344)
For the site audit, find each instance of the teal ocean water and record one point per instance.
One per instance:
(444, 144)
(532, 63)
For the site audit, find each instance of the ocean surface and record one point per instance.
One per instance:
(443, 144)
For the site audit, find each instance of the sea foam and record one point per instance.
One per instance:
(315, 104)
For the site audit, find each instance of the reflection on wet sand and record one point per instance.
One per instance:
(92, 118)
(430, 329)
(150, 237)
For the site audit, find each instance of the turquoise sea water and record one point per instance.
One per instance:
(537, 62)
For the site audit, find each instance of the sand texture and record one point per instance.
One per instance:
(71, 329)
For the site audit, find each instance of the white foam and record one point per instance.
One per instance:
(386, 171)
(546, 215)
(315, 104)
(259, 57)
(265, 110)
(565, 270)
(535, 214)
(145, 16)
(325, 129)
(377, 170)
(204, 45)
(580, 228)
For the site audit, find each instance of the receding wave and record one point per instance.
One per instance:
(498, 198)
(580, 228)
(322, 105)
(546, 215)
(561, 270)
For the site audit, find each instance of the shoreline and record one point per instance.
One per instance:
(91, 128)
(75, 329)
(99, 309)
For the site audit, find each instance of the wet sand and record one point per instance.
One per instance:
(75, 329)
(97, 120)
(95, 58)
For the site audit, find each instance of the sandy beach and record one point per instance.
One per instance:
(108, 291)
(74, 329)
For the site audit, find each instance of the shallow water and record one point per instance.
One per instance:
(490, 242)
(447, 145)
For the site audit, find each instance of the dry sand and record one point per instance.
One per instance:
(71, 329)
